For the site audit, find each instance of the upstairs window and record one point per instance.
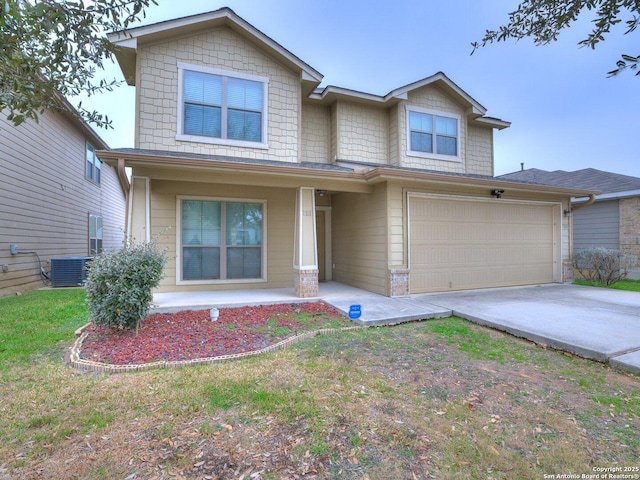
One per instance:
(93, 165)
(221, 107)
(433, 135)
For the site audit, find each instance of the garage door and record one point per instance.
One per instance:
(463, 244)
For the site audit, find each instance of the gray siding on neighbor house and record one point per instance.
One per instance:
(45, 199)
(597, 225)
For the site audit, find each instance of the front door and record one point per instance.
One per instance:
(322, 250)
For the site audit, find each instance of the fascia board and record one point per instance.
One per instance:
(610, 196)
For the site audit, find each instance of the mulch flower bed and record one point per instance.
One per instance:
(191, 334)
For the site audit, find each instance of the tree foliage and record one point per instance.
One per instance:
(543, 20)
(50, 49)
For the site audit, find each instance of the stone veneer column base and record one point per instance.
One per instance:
(398, 282)
(305, 283)
(568, 275)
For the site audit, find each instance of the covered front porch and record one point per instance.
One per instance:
(229, 224)
(376, 309)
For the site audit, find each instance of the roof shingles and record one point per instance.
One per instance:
(587, 178)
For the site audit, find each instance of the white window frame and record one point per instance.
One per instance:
(435, 155)
(96, 165)
(99, 234)
(180, 281)
(263, 144)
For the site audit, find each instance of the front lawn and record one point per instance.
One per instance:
(436, 399)
(39, 322)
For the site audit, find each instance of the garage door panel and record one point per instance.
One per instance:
(486, 257)
(476, 244)
(476, 278)
(465, 232)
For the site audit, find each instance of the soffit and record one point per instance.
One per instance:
(185, 167)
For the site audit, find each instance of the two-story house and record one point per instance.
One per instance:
(254, 177)
(57, 199)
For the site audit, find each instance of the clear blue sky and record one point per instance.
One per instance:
(565, 113)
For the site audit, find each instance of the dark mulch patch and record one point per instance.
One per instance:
(191, 334)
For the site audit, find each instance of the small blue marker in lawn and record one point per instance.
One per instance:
(355, 311)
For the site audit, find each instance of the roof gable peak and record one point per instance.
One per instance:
(129, 39)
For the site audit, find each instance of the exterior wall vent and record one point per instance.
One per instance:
(69, 272)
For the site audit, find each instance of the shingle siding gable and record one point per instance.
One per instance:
(224, 49)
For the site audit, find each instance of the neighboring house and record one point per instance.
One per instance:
(612, 221)
(254, 177)
(57, 199)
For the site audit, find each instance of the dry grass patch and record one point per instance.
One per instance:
(438, 399)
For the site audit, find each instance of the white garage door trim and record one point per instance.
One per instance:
(556, 215)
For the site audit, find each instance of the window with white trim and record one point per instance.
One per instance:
(95, 234)
(221, 240)
(93, 164)
(217, 106)
(432, 134)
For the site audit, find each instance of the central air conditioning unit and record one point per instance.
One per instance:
(69, 272)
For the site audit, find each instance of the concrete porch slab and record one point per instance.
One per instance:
(170, 302)
(376, 309)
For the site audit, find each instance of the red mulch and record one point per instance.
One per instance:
(191, 334)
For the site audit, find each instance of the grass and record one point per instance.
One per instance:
(39, 322)
(436, 399)
(628, 285)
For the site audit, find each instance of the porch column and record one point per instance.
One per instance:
(139, 221)
(305, 255)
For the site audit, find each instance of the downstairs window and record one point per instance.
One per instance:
(221, 240)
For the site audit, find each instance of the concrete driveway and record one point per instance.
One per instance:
(597, 323)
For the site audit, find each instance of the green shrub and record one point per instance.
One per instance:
(119, 284)
(602, 266)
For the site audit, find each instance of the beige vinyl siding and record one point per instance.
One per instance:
(315, 142)
(157, 93)
(394, 136)
(363, 133)
(45, 200)
(279, 215)
(397, 227)
(479, 148)
(359, 239)
(334, 135)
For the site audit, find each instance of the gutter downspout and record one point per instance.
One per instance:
(592, 198)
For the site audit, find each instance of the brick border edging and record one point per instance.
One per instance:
(99, 367)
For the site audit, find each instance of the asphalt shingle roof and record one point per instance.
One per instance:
(587, 179)
(197, 156)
